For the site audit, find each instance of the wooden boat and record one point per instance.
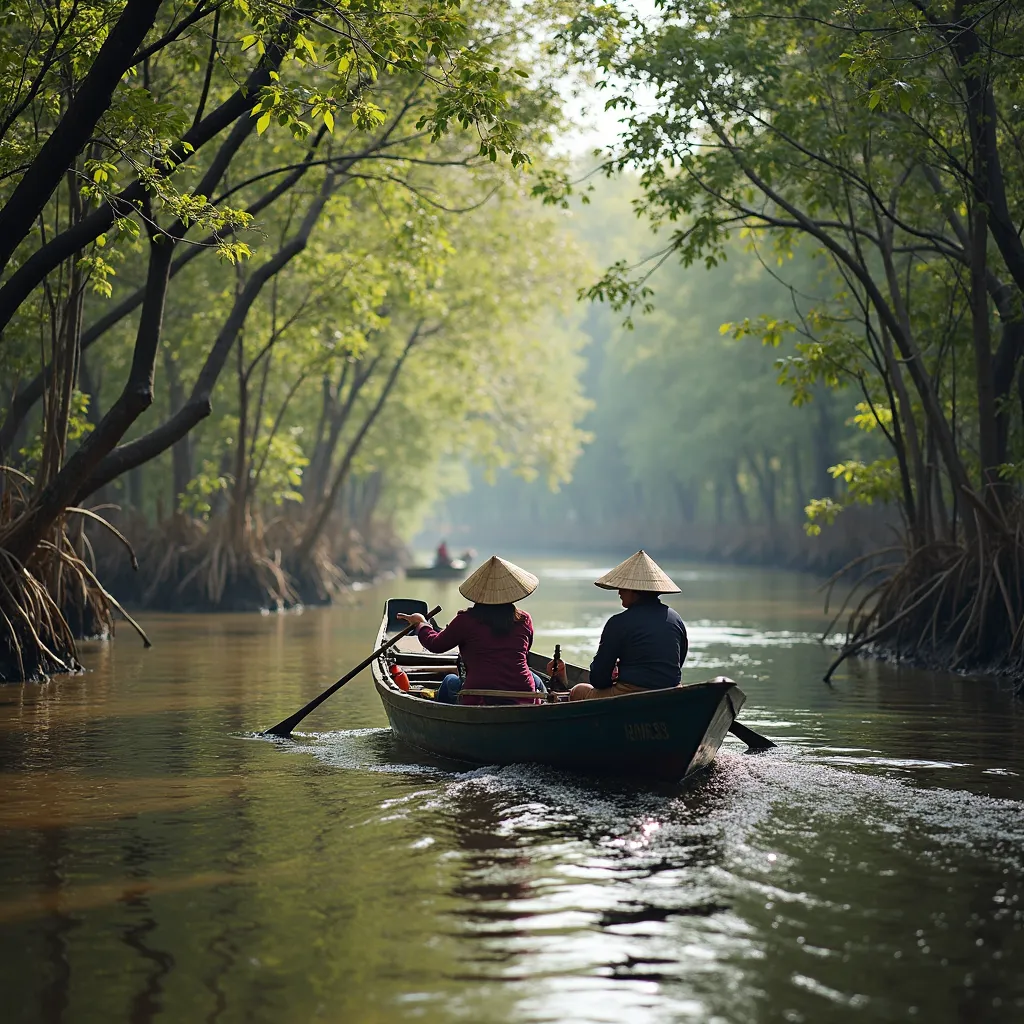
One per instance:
(455, 570)
(663, 734)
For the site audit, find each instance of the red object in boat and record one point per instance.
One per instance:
(401, 680)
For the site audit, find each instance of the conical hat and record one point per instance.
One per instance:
(498, 582)
(638, 572)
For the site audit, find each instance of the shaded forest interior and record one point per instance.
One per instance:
(277, 279)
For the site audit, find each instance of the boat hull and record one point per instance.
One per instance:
(436, 572)
(663, 734)
(658, 734)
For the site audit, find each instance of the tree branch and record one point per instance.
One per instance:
(198, 406)
(316, 527)
(76, 127)
(59, 248)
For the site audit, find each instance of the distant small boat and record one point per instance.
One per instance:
(456, 569)
(662, 734)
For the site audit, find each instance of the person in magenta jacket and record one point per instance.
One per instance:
(493, 636)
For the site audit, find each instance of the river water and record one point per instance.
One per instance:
(158, 862)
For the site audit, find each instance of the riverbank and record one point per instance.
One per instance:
(856, 534)
(1005, 677)
(187, 565)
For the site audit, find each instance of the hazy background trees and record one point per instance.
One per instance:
(886, 137)
(695, 447)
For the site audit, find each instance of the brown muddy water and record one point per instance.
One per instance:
(158, 863)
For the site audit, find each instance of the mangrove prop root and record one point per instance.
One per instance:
(55, 587)
(952, 605)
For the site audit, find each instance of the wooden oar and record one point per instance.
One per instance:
(285, 728)
(754, 740)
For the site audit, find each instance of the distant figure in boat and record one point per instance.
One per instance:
(493, 636)
(441, 557)
(643, 647)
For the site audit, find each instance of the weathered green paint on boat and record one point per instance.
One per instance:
(663, 734)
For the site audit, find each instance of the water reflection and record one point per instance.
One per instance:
(159, 863)
(57, 930)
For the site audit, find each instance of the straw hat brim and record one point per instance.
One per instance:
(498, 582)
(636, 586)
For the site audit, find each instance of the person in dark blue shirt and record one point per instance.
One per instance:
(643, 647)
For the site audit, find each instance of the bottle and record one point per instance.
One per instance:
(555, 662)
(399, 678)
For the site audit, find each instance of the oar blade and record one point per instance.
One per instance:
(754, 740)
(283, 729)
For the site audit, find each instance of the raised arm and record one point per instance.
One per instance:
(439, 641)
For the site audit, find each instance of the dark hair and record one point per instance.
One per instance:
(499, 617)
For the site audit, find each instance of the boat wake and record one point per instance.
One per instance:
(753, 804)
(603, 900)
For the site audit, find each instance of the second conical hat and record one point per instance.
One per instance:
(638, 572)
(498, 582)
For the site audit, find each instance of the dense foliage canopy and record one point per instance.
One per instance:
(264, 261)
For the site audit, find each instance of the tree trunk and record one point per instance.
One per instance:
(1006, 366)
(339, 417)
(181, 451)
(1007, 300)
(322, 515)
(90, 384)
(988, 438)
(65, 331)
(988, 180)
(137, 395)
(719, 500)
(939, 514)
(67, 140)
(1020, 396)
(369, 497)
(314, 478)
(739, 500)
(917, 511)
(799, 491)
(240, 469)
(899, 402)
(686, 499)
(765, 477)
